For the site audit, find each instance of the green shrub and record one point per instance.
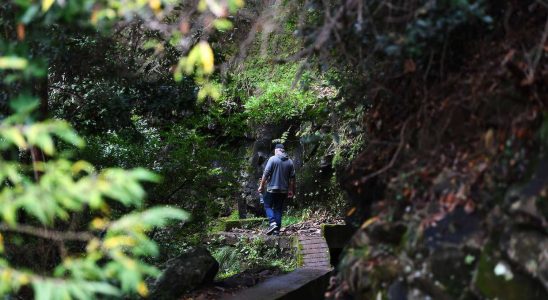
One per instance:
(249, 254)
(105, 256)
(268, 94)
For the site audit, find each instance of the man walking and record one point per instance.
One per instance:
(280, 175)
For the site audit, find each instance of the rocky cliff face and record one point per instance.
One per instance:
(260, 151)
(449, 199)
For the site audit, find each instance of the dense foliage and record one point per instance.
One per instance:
(67, 227)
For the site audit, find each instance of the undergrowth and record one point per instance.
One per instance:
(252, 254)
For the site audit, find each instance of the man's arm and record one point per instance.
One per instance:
(261, 184)
(266, 175)
(291, 191)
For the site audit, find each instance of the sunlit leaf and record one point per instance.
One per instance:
(157, 216)
(118, 241)
(15, 136)
(206, 55)
(102, 288)
(43, 290)
(81, 165)
(222, 24)
(65, 132)
(144, 175)
(142, 289)
(77, 292)
(9, 214)
(46, 5)
(155, 4)
(13, 62)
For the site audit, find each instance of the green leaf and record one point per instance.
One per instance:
(45, 142)
(46, 5)
(35, 209)
(222, 24)
(67, 134)
(24, 104)
(156, 216)
(29, 14)
(14, 135)
(61, 292)
(43, 290)
(144, 175)
(13, 63)
(469, 259)
(101, 288)
(234, 5)
(78, 292)
(9, 214)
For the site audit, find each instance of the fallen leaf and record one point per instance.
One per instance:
(409, 66)
(469, 207)
(351, 211)
(369, 222)
(20, 31)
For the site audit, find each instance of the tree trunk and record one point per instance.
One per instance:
(37, 155)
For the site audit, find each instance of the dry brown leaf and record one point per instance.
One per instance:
(409, 66)
(20, 31)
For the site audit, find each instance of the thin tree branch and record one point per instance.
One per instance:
(394, 158)
(48, 234)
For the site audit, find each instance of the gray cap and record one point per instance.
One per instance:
(279, 146)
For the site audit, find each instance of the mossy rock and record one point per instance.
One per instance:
(453, 267)
(250, 223)
(299, 251)
(514, 286)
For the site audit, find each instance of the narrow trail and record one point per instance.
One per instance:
(316, 244)
(309, 280)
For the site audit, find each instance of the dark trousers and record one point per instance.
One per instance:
(274, 205)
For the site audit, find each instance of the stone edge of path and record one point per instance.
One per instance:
(303, 283)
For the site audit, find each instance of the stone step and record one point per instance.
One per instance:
(313, 242)
(307, 282)
(310, 237)
(315, 251)
(316, 247)
(323, 257)
(323, 260)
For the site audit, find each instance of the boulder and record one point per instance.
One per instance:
(453, 267)
(496, 278)
(387, 232)
(188, 271)
(528, 250)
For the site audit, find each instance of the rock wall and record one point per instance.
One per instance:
(260, 151)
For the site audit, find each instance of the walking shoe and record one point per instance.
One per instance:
(276, 232)
(271, 229)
